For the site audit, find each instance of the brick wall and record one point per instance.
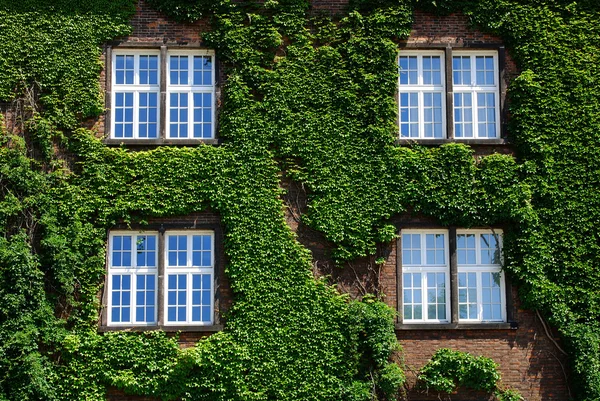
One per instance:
(528, 360)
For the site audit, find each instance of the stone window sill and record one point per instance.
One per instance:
(458, 326)
(206, 329)
(434, 142)
(160, 142)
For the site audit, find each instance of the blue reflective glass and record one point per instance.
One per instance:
(479, 62)
(150, 314)
(174, 99)
(116, 260)
(181, 296)
(139, 298)
(150, 259)
(116, 298)
(181, 314)
(206, 314)
(139, 314)
(128, 77)
(182, 281)
(120, 62)
(183, 115)
(140, 282)
(172, 258)
(206, 281)
(197, 130)
(116, 315)
(129, 62)
(126, 259)
(480, 78)
(172, 314)
(143, 77)
(181, 258)
(117, 243)
(206, 131)
(143, 115)
(143, 131)
(172, 245)
(183, 100)
(143, 99)
(429, 241)
(172, 298)
(206, 242)
(126, 282)
(152, 115)
(120, 77)
(150, 298)
(206, 259)
(196, 314)
(206, 297)
(206, 78)
(172, 282)
(126, 298)
(196, 297)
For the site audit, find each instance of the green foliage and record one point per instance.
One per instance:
(318, 106)
(447, 370)
(51, 52)
(450, 369)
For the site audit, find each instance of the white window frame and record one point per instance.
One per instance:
(421, 89)
(163, 130)
(136, 88)
(190, 89)
(133, 272)
(424, 268)
(478, 268)
(475, 89)
(189, 271)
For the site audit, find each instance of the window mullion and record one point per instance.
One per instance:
(453, 263)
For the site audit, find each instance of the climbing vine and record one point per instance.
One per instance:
(313, 99)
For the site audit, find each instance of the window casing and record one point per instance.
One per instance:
(189, 261)
(135, 95)
(476, 95)
(429, 294)
(134, 280)
(425, 276)
(481, 288)
(188, 108)
(467, 82)
(422, 98)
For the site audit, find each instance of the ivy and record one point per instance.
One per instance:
(447, 370)
(312, 99)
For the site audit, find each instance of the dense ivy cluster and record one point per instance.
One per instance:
(448, 370)
(312, 99)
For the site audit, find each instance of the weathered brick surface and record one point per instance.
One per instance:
(528, 361)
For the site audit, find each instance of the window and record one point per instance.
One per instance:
(422, 95)
(137, 82)
(134, 283)
(476, 95)
(480, 279)
(427, 290)
(425, 276)
(424, 90)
